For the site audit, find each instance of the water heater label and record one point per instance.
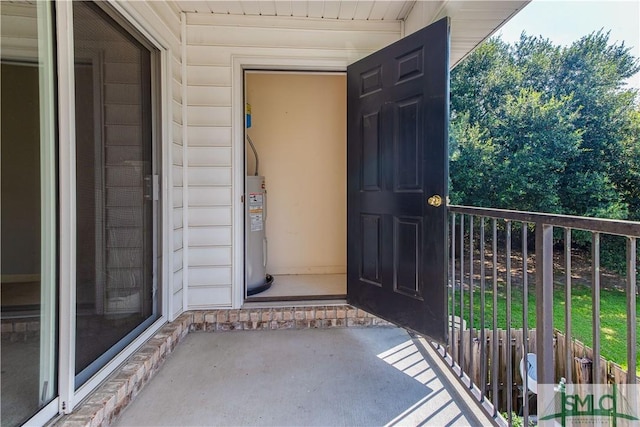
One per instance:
(255, 211)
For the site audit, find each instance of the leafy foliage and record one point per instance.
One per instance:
(546, 128)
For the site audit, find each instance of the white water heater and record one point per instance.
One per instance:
(257, 279)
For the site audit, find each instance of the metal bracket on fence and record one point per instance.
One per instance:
(585, 366)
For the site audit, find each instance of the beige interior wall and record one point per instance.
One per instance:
(299, 129)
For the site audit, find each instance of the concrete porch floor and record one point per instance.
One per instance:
(306, 377)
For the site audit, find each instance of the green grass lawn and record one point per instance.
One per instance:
(613, 318)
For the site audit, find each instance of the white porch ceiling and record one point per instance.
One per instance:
(395, 10)
(472, 21)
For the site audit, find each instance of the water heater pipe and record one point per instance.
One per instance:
(255, 153)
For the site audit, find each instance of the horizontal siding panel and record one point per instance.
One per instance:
(284, 38)
(209, 156)
(206, 55)
(209, 276)
(209, 176)
(176, 70)
(206, 75)
(208, 136)
(177, 152)
(168, 16)
(176, 112)
(177, 197)
(178, 260)
(209, 116)
(177, 303)
(177, 240)
(212, 96)
(209, 216)
(178, 218)
(209, 196)
(177, 281)
(176, 90)
(210, 256)
(218, 236)
(205, 297)
(221, 55)
(178, 179)
(176, 131)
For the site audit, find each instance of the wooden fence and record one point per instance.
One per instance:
(581, 367)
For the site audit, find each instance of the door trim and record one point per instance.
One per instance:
(240, 63)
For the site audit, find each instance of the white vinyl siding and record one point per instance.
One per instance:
(212, 43)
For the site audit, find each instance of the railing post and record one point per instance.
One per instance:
(632, 334)
(544, 309)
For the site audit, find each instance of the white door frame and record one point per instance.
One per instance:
(239, 65)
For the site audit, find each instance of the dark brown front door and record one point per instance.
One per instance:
(397, 159)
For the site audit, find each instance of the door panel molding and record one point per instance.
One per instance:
(395, 162)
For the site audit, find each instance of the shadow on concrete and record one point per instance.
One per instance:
(316, 377)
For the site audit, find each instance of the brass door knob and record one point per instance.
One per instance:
(435, 200)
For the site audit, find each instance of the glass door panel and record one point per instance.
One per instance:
(116, 224)
(28, 286)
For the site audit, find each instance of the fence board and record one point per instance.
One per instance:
(581, 372)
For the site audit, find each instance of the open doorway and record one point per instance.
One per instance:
(298, 127)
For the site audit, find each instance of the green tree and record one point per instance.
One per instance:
(547, 128)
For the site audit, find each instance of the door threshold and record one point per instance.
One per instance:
(295, 298)
(275, 302)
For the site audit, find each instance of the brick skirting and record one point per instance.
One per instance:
(103, 406)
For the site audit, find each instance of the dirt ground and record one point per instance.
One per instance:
(581, 269)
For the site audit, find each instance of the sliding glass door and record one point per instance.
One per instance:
(108, 204)
(116, 190)
(28, 144)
